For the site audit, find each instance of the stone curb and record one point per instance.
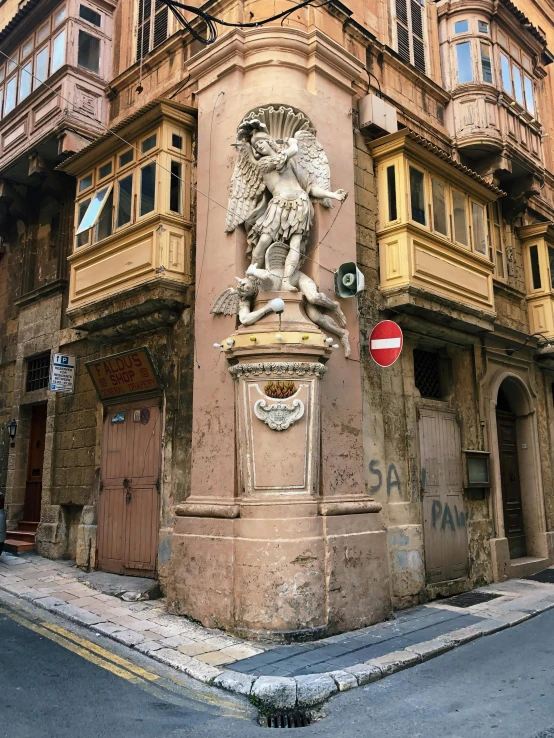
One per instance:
(290, 692)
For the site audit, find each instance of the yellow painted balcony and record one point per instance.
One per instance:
(538, 248)
(133, 222)
(435, 250)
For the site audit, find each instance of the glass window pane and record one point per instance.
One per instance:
(461, 27)
(486, 64)
(391, 191)
(105, 170)
(25, 80)
(43, 32)
(529, 101)
(2, 73)
(535, 269)
(126, 157)
(518, 86)
(1, 101)
(12, 64)
(483, 27)
(439, 208)
(506, 78)
(478, 225)
(26, 48)
(83, 237)
(93, 210)
(551, 264)
(125, 200)
(41, 66)
(90, 15)
(88, 54)
(463, 54)
(460, 217)
(59, 15)
(58, 51)
(148, 143)
(175, 187)
(176, 141)
(11, 95)
(104, 227)
(417, 195)
(147, 188)
(85, 182)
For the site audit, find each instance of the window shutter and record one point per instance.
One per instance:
(143, 30)
(402, 32)
(417, 36)
(160, 23)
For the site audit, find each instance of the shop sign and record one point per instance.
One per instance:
(123, 374)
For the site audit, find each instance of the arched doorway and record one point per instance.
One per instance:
(510, 478)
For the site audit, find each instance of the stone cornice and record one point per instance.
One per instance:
(286, 368)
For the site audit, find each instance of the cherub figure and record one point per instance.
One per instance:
(270, 192)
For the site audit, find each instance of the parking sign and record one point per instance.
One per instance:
(62, 373)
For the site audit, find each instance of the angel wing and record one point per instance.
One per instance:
(245, 189)
(227, 303)
(312, 162)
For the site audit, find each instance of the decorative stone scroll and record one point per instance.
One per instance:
(289, 368)
(279, 416)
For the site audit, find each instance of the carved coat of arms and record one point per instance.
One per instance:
(279, 416)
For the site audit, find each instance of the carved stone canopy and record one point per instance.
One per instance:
(288, 368)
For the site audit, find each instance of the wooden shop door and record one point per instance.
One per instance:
(128, 510)
(35, 464)
(444, 518)
(511, 488)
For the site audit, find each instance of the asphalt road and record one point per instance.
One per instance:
(60, 681)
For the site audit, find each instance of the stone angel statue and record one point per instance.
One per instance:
(271, 188)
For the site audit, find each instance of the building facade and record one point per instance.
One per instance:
(428, 477)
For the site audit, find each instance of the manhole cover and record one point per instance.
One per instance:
(467, 599)
(546, 576)
(297, 719)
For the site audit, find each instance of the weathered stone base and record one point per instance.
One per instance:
(281, 571)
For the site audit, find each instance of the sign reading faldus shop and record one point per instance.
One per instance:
(123, 374)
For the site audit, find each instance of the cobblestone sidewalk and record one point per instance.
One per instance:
(283, 676)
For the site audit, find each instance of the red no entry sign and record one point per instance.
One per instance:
(385, 342)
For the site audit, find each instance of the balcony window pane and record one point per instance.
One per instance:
(461, 27)
(126, 157)
(82, 238)
(58, 51)
(391, 191)
(11, 95)
(1, 100)
(535, 269)
(176, 141)
(148, 143)
(26, 48)
(88, 55)
(439, 208)
(25, 80)
(2, 73)
(93, 211)
(486, 65)
(506, 77)
(518, 86)
(12, 64)
(90, 15)
(85, 182)
(43, 32)
(59, 15)
(125, 200)
(417, 195)
(41, 66)
(460, 217)
(147, 188)
(483, 27)
(463, 55)
(104, 227)
(529, 101)
(175, 187)
(478, 225)
(551, 264)
(105, 170)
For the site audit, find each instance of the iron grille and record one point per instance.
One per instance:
(427, 374)
(38, 370)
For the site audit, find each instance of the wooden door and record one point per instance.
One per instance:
(128, 511)
(511, 488)
(35, 464)
(444, 518)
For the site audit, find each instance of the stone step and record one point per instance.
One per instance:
(22, 535)
(28, 525)
(15, 545)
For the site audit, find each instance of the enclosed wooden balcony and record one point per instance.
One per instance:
(130, 268)
(538, 249)
(435, 251)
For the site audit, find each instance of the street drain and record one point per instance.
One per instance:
(467, 599)
(298, 719)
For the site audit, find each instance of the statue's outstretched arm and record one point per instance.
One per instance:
(248, 316)
(320, 193)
